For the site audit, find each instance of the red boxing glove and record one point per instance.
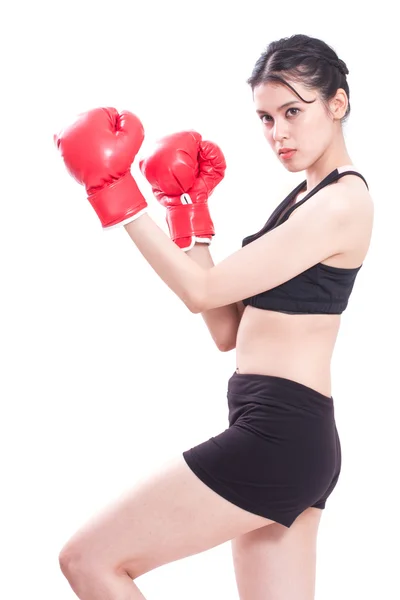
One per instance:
(183, 172)
(98, 150)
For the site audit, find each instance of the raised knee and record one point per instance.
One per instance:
(71, 562)
(64, 559)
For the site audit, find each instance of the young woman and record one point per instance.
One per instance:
(263, 482)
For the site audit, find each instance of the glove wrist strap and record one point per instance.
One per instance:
(188, 220)
(118, 202)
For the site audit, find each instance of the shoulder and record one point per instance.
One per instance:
(350, 206)
(345, 200)
(352, 199)
(343, 212)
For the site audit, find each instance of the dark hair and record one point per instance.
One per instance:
(307, 60)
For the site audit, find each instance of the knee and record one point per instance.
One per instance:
(71, 562)
(83, 575)
(65, 559)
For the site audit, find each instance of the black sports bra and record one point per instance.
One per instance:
(321, 289)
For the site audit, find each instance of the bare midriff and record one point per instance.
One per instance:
(296, 347)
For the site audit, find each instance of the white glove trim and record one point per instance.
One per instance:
(126, 221)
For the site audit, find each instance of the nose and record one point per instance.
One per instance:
(279, 131)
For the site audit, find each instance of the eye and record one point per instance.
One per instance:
(268, 118)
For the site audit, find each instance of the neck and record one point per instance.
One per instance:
(336, 157)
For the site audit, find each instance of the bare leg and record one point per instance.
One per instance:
(277, 563)
(169, 516)
(115, 586)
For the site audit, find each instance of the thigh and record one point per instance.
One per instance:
(163, 518)
(276, 562)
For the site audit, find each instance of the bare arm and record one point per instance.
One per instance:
(316, 231)
(222, 322)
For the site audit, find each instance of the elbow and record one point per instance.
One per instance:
(227, 342)
(194, 307)
(194, 302)
(226, 347)
(197, 302)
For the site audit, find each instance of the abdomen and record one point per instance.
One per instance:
(297, 347)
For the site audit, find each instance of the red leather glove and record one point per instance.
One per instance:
(98, 150)
(183, 172)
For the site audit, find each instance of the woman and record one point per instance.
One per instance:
(264, 481)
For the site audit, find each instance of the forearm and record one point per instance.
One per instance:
(183, 276)
(222, 322)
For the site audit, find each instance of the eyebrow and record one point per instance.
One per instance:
(280, 108)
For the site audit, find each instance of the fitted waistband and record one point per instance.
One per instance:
(272, 387)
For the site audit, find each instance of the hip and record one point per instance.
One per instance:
(284, 418)
(315, 375)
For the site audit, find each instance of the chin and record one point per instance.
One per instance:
(292, 166)
(296, 166)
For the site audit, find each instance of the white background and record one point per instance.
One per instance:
(104, 372)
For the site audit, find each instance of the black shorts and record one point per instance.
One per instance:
(281, 453)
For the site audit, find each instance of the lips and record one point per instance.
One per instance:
(286, 155)
(285, 150)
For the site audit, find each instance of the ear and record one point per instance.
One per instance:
(338, 104)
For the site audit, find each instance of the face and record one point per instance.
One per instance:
(288, 122)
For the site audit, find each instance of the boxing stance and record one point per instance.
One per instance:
(264, 481)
